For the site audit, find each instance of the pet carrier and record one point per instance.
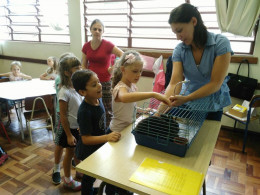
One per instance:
(174, 129)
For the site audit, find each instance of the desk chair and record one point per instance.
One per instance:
(6, 79)
(255, 102)
(3, 131)
(38, 108)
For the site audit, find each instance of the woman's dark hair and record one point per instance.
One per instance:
(184, 14)
(80, 79)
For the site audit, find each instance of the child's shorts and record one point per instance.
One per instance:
(60, 135)
(63, 138)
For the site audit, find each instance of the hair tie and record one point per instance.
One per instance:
(130, 58)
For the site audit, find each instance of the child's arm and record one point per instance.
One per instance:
(5, 74)
(26, 76)
(43, 76)
(126, 97)
(94, 140)
(65, 123)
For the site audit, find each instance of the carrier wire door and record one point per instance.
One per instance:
(39, 108)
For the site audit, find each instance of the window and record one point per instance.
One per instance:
(34, 20)
(144, 23)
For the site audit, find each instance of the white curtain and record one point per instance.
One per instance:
(237, 16)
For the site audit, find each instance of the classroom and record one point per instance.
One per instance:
(64, 26)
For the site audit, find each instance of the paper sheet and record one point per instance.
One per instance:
(246, 104)
(167, 178)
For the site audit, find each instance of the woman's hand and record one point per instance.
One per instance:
(113, 137)
(178, 100)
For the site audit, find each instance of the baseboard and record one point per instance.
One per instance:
(228, 128)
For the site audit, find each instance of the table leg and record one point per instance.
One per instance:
(20, 117)
(204, 183)
(101, 188)
(204, 187)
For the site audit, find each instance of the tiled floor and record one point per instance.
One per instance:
(29, 167)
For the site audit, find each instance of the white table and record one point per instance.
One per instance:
(114, 163)
(19, 90)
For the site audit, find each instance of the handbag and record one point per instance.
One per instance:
(242, 87)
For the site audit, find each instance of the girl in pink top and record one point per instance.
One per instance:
(16, 74)
(96, 56)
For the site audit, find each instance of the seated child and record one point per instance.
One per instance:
(51, 72)
(16, 74)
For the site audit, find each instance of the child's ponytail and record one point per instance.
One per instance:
(117, 74)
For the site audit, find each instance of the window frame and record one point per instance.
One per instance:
(129, 28)
(38, 26)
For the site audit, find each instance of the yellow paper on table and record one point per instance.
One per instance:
(167, 178)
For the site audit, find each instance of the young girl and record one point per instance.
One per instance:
(16, 74)
(126, 74)
(56, 177)
(69, 101)
(51, 72)
(91, 120)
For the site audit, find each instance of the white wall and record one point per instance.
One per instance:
(43, 51)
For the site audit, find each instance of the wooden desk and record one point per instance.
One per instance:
(19, 90)
(114, 163)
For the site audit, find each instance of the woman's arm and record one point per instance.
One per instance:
(84, 61)
(118, 52)
(94, 140)
(126, 97)
(218, 74)
(65, 122)
(177, 76)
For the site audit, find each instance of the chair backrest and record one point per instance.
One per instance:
(255, 101)
(4, 80)
(39, 105)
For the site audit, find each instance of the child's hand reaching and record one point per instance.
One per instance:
(178, 100)
(162, 98)
(113, 137)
